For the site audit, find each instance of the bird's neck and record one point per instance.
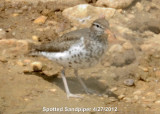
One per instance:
(94, 35)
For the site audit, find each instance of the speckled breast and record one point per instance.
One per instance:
(79, 56)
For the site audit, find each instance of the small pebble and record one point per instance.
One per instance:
(13, 33)
(19, 11)
(151, 94)
(27, 61)
(50, 73)
(127, 45)
(129, 82)
(112, 99)
(35, 38)
(101, 98)
(145, 69)
(24, 7)
(3, 59)
(138, 92)
(113, 89)
(121, 97)
(127, 99)
(26, 70)
(136, 97)
(20, 63)
(36, 66)
(15, 14)
(157, 102)
(139, 6)
(26, 99)
(40, 20)
(52, 90)
(144, 76)
(143, 98)
(146, 105)
(105, 95)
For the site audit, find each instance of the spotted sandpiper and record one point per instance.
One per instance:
(77, 49)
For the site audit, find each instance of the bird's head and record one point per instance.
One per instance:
(101, 27)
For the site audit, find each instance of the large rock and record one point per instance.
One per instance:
(118, 4)
(84, 14)
(42, 6)
(139, 20)
(120, 55)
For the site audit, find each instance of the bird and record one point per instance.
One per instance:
(78, 49)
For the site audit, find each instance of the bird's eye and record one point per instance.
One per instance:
(97, 26)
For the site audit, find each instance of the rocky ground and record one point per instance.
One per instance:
(128, 77)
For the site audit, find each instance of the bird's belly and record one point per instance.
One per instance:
(78, 55)
(76, 58)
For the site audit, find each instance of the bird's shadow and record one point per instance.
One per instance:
(42, 75)
(74, 85)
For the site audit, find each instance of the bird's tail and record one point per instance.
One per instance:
(32, 50)
(36, 53)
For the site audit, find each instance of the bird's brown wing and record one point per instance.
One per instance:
(63, 43)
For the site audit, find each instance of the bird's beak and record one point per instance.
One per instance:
(111, 36)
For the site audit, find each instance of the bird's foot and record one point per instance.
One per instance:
(70, 95)
(90, 91)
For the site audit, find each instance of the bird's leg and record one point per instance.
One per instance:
(69, 94)
(82, 83)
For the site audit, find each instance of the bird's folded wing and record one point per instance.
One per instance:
(62, 43)
(59, 45)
